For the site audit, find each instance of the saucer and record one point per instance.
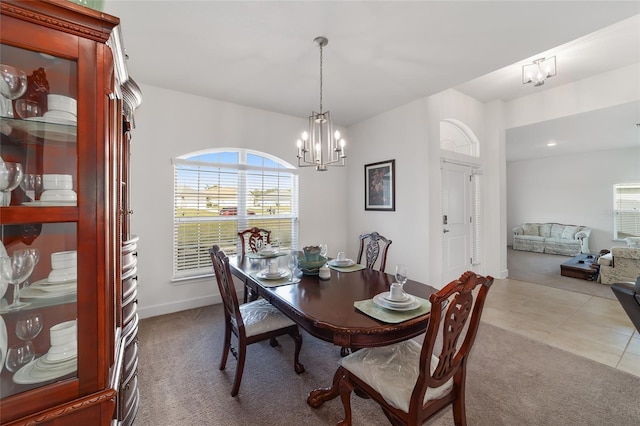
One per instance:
(341, 263)
(405, 300)
(265, 274)
(378, 300)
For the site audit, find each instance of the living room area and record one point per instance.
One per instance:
(571, 311)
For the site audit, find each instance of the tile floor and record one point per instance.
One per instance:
(589, 326)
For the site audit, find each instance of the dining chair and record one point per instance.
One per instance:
(250, 322)
(373, 245)
(252, 239)
(413, 381)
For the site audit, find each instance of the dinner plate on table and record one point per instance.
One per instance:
(266, 275)
(341, 263)
(383, 303)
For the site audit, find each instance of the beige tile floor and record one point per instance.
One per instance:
(589, 326)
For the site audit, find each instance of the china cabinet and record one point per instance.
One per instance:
(68, 320)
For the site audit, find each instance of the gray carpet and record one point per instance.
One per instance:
(512, 380)
(544, 269)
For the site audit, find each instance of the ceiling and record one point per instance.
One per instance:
(381, 54)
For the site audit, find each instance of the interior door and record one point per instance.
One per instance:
(456, 220)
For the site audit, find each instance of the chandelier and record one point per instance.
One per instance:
(539, 71)
(321, 146)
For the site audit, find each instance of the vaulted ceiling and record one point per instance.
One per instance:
(381, 54)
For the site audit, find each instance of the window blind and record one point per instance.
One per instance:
(216, 194)
(626, 210)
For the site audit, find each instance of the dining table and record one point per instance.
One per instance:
(337, 309)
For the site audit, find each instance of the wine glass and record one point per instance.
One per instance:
(293, 264)
(323, 250)
(10, 177)
(35, 253)
(32, 185)
(13, 84)
(20, 355)
(401, 273)
(16, 269)
(29, 326)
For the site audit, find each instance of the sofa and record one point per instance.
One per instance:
(628, 295)
(552, 238)
(621, 264)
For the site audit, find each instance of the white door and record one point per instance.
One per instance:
(456, 220)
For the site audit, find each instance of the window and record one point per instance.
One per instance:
(626, 210)
(219, 192)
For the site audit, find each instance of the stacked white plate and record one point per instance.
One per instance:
(61, 107)
(62, 280)
(407, 304)
(266, 274)
(60, 360)
(342, 263)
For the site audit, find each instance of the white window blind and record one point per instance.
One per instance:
(626, 210)
(218, 193)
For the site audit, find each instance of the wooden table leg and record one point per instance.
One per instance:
(317, 397)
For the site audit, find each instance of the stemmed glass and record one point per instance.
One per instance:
(16, 269)
(32, 185)
(323, 250)
(19, 355)
(293, 264)
(35, 253)
(401, 273)
(13, 84)
(29, 326)
(10, 177)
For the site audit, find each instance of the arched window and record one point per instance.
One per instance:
(218, 192)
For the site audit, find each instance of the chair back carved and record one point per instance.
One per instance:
(253, 238)
(227, 289)
(454, 318)
(374, 245)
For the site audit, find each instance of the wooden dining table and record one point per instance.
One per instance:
(325, 308)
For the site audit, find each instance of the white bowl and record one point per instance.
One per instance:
(62, 103)
(64, 333)
(58, 195)
(62, 275)
(64, 259)
(50, 181)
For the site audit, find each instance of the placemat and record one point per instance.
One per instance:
(276, 283)
(265, 256)
(387, 315)
(352, 268)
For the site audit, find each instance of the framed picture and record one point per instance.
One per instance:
(379, 186)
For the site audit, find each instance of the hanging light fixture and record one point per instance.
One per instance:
(539, 71)
(321, 146)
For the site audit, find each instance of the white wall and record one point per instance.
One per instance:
(169, 124)
(576, 189)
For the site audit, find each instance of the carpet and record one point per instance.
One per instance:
(544, 269)
(512, 380)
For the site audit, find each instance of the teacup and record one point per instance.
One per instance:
(341, 256)
(273, 267)
(396, 292)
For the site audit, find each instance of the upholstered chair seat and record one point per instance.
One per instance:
(261, 317)
(393, 371)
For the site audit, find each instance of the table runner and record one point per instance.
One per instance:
(389, 316)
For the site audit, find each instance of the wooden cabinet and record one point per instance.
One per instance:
(68, 347)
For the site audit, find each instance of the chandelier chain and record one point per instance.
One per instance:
(321, 78)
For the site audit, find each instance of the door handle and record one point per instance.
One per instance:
(444, 231)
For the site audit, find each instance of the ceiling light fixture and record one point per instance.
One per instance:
(539, 71)
(321, 146)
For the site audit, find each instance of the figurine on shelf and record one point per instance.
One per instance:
(37, 88)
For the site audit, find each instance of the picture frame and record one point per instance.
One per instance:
(379, 186)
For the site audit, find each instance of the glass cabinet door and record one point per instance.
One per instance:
(39, 220)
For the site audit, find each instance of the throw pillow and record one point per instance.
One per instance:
(569, 232)
(545, 230)
(556, 230)
(530, 229)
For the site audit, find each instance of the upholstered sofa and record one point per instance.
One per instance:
(553, 238)
(622, 264)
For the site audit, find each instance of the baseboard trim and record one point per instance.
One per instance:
(181, 305)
